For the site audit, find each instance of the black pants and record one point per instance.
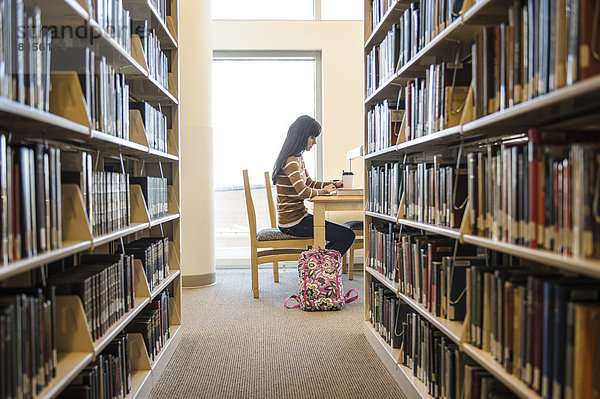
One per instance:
(337, 237)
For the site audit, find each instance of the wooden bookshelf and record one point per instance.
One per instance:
(487, 361)
(63, 127)
(569, 107)
(452, 329)
(383, 279)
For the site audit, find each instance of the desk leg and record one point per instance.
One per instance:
(319, 225)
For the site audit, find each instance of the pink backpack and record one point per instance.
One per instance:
(321, 288)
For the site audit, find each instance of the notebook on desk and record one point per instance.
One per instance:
(349, 191)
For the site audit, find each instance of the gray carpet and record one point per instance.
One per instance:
(234, 346)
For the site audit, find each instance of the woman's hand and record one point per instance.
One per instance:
(339, 184)
(330, 188)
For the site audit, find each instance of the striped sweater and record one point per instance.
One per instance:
(293, 187)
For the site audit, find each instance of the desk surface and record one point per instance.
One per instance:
(336, 198)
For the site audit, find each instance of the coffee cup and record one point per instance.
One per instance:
(347, 178)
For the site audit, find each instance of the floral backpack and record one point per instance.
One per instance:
(321, 288)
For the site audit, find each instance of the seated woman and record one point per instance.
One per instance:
(294, 186)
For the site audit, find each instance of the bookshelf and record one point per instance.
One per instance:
(547, 106)
(126, 142)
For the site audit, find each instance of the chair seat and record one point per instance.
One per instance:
(354, 225)
(274, 234)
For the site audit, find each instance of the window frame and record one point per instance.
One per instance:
(315, 55)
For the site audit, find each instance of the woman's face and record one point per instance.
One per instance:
(311, 141)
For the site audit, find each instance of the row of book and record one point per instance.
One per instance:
(378, 9)
(28, 355)
(433, 358)
(434, 194)
(384, 307)
(428, 268)
(540, 326)
(442, 367)
(106, 194)
(113, 19)
(381, 61)
(383, 125)
(538, 193)
(547, 44)
(156, 60)
(155, 125)
(161, 7)
(30, 200)
(25, 56)
(105, 284)
(155, 194)
(105, 92)
(436, 102)
(108, 377)
(154, 324)
(420, 23)
(153, 252)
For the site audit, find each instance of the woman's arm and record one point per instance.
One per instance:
(304, 191)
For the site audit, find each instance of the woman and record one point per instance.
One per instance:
(294, 186)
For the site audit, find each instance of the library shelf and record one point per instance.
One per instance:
(382, 279)
(117, 145)
(163, 155)
(69, 365)
(23, 118)
(147, 88)
(140, 9)
(585, 266)
(563, 102)
(486, 360)
(141, 381)
(391, 15)
(22, 265)
(142, 85)
(134, 228)
(162, 220)
(381, 216)
(113, 143)
(381, 153)
(162, 359)
(116, 328)
(388, 89)
(410, 385)
(165, 283)
(452, 329)
(543, 110)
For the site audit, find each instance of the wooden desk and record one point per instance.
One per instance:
(324, 203)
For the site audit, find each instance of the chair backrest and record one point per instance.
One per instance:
(270, 201)
(250, 207)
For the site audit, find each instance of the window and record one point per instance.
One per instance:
(255, 99)
(263, 9)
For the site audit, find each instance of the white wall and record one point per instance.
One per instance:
(340, 43)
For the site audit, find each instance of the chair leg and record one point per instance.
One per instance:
(344, 267)
(254, 265)
(351, 265)
(276, 272)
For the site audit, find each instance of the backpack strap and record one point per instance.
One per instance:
(354, 298)
(292, 297)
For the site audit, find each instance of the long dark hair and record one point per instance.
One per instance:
(295, 141)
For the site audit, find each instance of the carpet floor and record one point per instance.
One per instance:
(234, 346)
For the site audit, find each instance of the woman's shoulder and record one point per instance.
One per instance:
(293, 159)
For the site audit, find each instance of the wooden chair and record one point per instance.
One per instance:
(357, 227)
(269, 245)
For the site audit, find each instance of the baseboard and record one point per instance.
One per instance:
(199, 280)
